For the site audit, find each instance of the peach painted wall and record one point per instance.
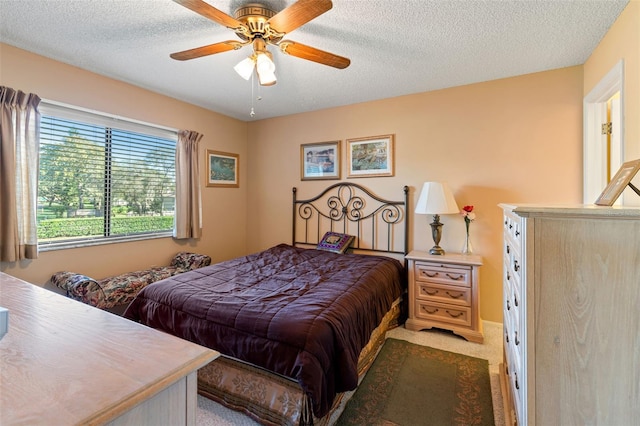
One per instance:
(622, 41)
(224, 232)
(511, 140)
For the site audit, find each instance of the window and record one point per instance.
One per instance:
(102, 179)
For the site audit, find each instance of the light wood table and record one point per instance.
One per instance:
(66, 363)
(444, 293)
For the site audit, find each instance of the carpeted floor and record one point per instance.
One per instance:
(212, 414)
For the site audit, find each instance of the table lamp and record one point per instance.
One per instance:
(436, 199)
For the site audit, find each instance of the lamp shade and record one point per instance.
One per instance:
(264, 64)
(436, 198)
(267, 79)
(245, 68)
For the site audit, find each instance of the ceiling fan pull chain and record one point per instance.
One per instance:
(252, 113)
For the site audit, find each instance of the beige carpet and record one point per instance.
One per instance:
(213, 414)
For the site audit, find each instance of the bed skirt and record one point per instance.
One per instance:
(272, 399)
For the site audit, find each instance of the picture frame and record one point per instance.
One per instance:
(618, 183)
(320, 161)
(223, 169)
(370, 156)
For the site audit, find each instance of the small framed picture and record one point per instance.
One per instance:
(370, 157)
(618, 183)
(320, 161)
(223, 169)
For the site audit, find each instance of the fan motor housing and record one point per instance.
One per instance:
(255, 17)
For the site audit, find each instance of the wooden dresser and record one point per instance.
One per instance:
(444, 293)
(67, 363)
(571, 315)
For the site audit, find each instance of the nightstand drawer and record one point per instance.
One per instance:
(440, 312)
(443, 274)
(444, 293)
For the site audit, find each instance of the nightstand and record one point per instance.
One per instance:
(444, 293)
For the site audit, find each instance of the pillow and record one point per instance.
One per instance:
(69, 280)
(79, 287)
(185, 261)
(335, 242)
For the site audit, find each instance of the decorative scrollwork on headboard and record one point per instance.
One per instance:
(379, 225)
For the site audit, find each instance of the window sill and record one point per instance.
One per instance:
(63, 245)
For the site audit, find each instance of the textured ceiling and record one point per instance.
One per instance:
(396, 47)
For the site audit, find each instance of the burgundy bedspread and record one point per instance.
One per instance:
(302, 313)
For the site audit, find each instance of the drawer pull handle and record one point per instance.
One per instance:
(508, 306)
(456, 277)
(435, 274)
(508, 250)
(455, 315)
(430, 312)
(431, 292)
(516, 267)
(455, 296)
(506, 335)
(517, 342)
(516, 375)
(505, 221)
(517, 233)
(515, 301)
(510, 225)
(508, 276)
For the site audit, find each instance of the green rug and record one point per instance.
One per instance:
(411, 385)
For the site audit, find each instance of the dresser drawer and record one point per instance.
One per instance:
(441, 312)
(443, 274)
(456, 295)
(513, 229)
(516, 393)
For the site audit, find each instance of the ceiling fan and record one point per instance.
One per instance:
(257, 25)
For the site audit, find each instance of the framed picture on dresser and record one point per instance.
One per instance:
(618, 183)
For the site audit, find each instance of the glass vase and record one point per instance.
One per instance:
(467, 248)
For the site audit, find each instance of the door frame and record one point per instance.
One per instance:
(594, 151)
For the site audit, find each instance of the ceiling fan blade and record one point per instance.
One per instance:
(208, 11)
(210, 49)
(309, 53)
(298, 14)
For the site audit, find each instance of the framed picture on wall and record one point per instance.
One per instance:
(223, 169)
(617, 184)
(370, 157)
(320, 161)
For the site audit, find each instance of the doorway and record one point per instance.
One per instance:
(603, 149)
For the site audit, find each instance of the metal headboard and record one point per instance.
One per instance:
(379, 225)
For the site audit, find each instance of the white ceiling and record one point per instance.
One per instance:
(396, 47)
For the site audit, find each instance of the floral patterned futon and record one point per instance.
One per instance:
(122, 289)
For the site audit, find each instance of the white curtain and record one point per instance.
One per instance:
(188, 218)
(19, 145)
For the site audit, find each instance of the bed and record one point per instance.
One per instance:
(297, 324)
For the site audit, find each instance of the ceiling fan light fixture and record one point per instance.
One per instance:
(245, 68)
(264, 64)
(267, 79)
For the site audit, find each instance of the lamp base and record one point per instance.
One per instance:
(436, 233)
(436, 250)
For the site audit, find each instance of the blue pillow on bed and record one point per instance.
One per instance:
(335, 242)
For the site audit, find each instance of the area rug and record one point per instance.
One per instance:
(410, 385)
